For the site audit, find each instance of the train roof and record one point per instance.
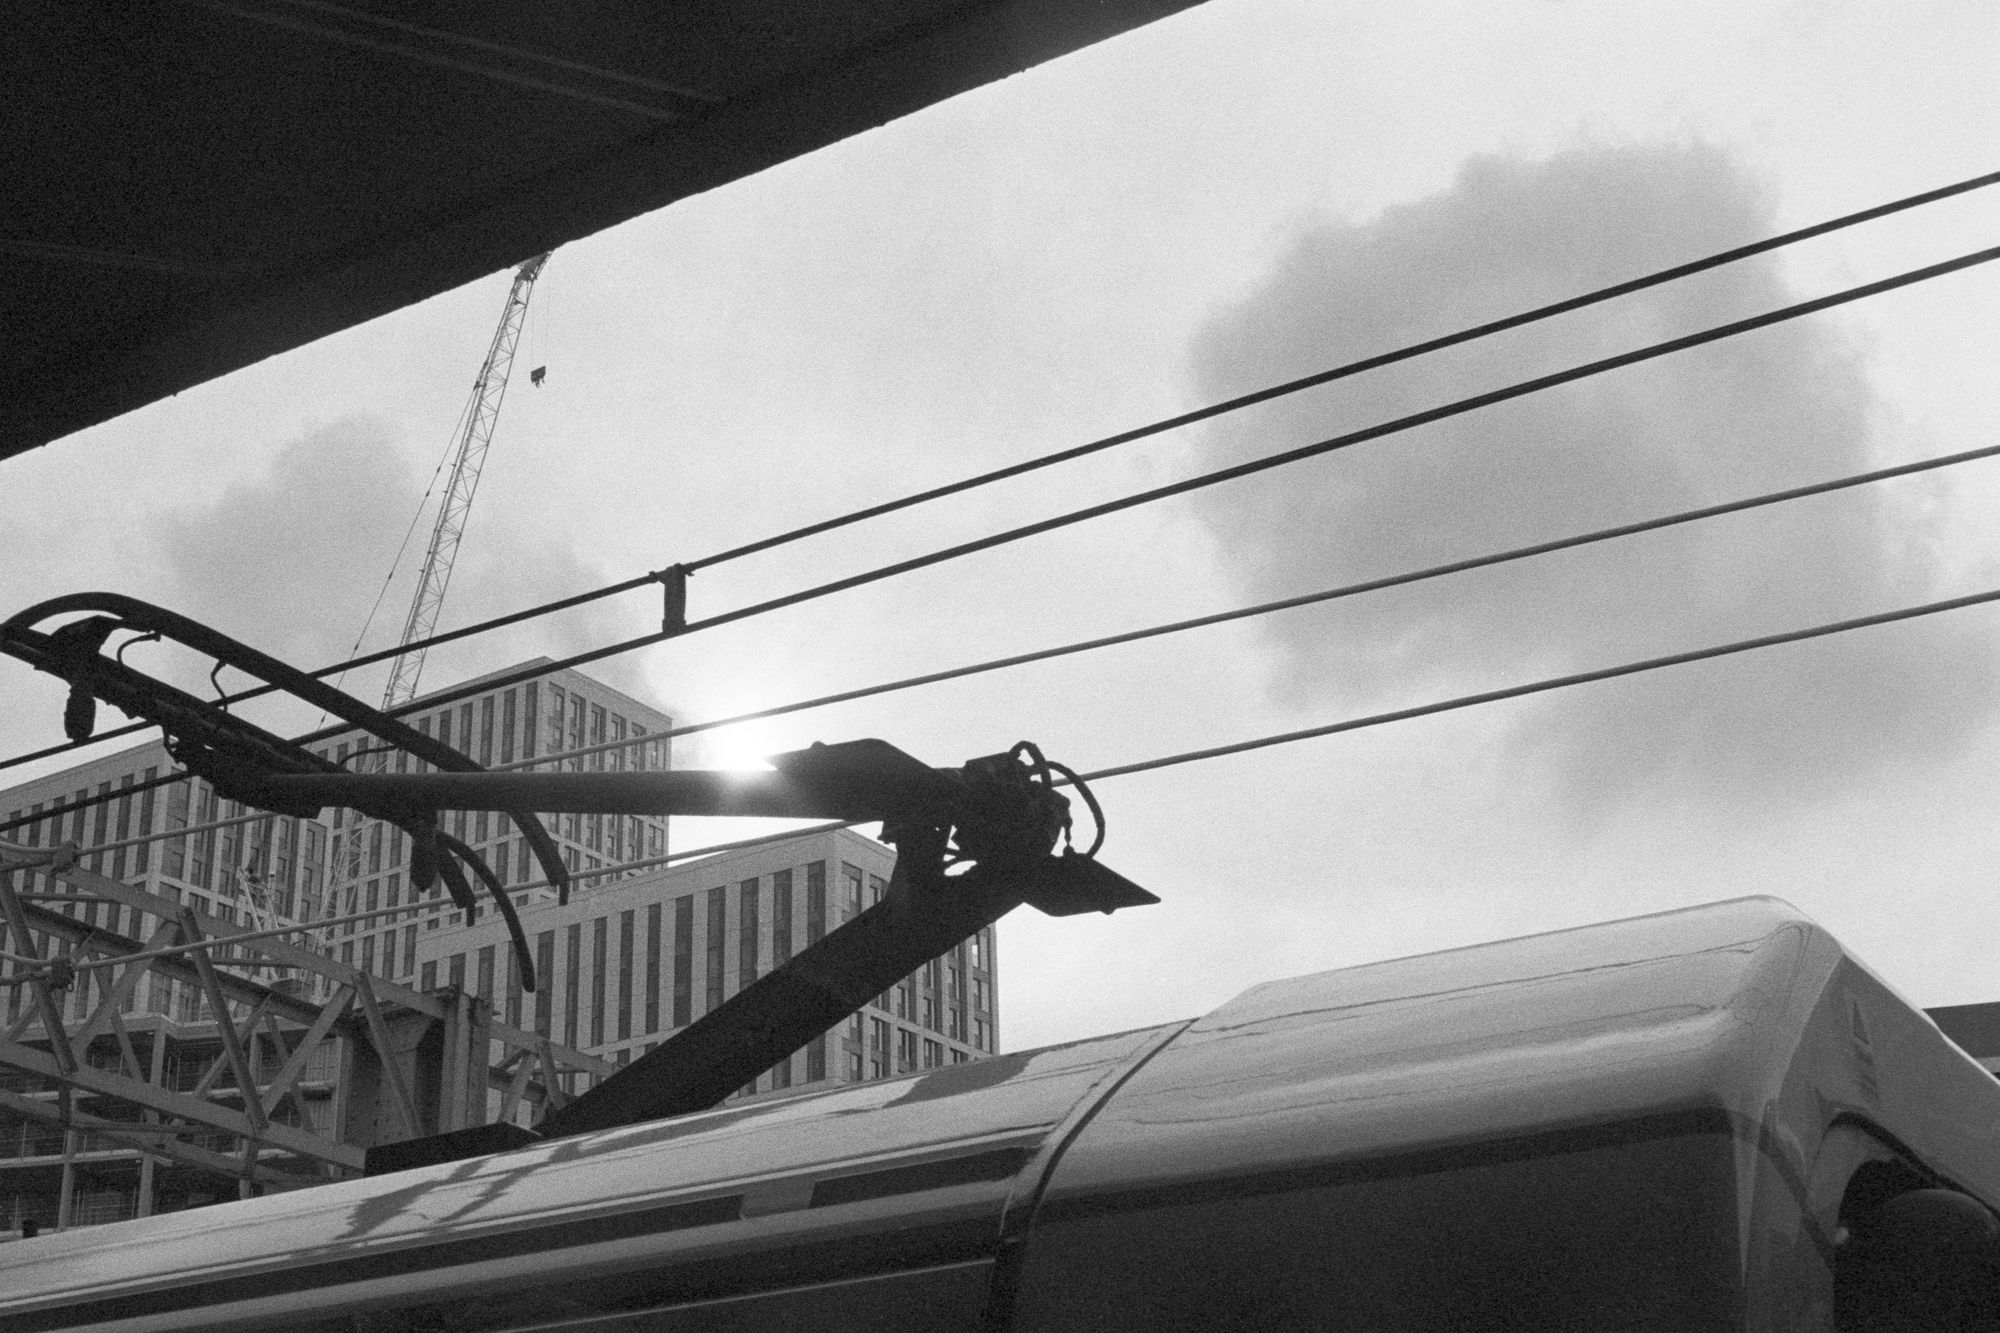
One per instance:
(1742, 1018)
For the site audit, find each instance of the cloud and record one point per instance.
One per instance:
(1777, 408)
(291, 562)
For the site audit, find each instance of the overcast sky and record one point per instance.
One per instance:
(1247, 192)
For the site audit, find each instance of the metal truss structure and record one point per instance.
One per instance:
(403, 1064)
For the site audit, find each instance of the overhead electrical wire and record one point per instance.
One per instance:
(1376, 362)
(1544, 686)
(1459, 407)
(1317, 379)
(1280, 738)
(1465, 565)
(1289, 603)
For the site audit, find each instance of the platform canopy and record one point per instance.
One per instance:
(194, 185)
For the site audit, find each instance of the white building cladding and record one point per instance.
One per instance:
(558, 712)
(625, 966)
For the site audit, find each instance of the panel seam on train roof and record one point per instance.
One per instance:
(1018, 1216)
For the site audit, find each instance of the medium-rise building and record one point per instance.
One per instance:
(625, 966)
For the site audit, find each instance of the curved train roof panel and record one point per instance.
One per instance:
(924, 1161)
(1658, 1079)
(1744, 1010)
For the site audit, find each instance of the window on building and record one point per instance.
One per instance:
(781, 1073)
(816, 1059)
(513, 991)
(903, 998)
(933, 1053)
(640, 753)
(854, 1066)
(428, 979)
(600, 953)
(597, 735)
(652, 967)
(980, 1038)
(483, 981)
(545, 977)
(718, 907)
(458, 970)
(485, 755)
(781, 918)
(572, 977)
(850, 900)
(683, 960)
(747, 933)
(507, 727)
(878, 1048)
(173, 852)
(625, 921)
(530, 711)
(906, 1050)
(368, 954)
(410, 949)
(122, 829)
(558, 706)
(576, 706)
(980, 995)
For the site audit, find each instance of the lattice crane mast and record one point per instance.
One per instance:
(481, 416)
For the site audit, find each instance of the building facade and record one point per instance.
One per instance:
(512, 726)
(625, 966)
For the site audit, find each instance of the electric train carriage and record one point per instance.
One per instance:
(1709, 1119)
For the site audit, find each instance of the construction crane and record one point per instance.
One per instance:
(481, 416)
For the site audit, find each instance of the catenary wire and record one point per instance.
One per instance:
(1460, 407)
(1153, 631)
(1285, 603)
(1543, 686)
(1258, 743)
(1125, 437)
(1376, 362)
